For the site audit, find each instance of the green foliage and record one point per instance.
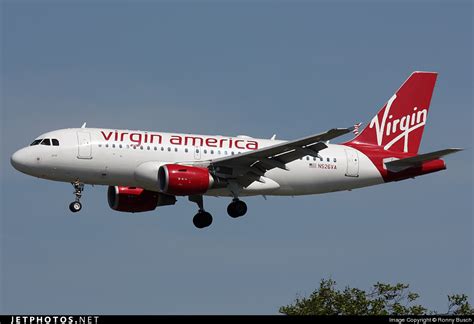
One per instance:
(382, 299)
(459, 305)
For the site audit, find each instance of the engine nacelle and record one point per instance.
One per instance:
(183, 180)
(135, 200)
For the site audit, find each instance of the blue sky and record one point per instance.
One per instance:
(254, 68)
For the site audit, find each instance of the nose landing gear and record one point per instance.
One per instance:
(76, 205)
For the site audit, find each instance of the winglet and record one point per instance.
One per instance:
(273, 137)
(84, 125)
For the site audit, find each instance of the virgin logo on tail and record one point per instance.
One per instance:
(402, 126)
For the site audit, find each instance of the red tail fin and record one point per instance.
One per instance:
(399, 125)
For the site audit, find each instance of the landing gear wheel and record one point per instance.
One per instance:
(237, 208)
(202, 219)
(75, 206)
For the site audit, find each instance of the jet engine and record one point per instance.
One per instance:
(135, 200)
(183, 180)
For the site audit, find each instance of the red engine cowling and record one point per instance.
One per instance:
(132, 199)
(183, 180)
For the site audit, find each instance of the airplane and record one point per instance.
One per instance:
(145, 170)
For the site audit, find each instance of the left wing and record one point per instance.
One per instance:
(248, 167)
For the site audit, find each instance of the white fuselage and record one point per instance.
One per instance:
(112, 157)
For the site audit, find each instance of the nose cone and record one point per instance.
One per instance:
(21, 160)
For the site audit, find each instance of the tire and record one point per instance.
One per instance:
(237, 208)
(75, 206)
(241, 208)
(231, 210)
(202, 220)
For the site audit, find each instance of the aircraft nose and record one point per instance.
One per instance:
(19, 160)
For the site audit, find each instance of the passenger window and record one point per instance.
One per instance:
(156, 148)
(176, 149)
(307, 158)
(46, 141)
(205, 151)
(212, 151)
(113, 145)
(334, 160)
(36, 142)
(169, 149)
(55, 142)
(120, 145)
(186, 150)
(328, 160)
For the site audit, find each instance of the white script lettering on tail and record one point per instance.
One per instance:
(404, 125)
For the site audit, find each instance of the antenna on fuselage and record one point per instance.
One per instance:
(84, 125)
(273, 137)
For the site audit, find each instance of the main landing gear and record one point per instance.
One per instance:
(202, 219)
(237, 208)
(76, 205)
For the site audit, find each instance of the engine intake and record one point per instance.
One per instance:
(183, 180)
(135, 200)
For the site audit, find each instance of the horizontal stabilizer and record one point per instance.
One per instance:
(403, 164)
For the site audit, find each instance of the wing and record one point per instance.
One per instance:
(248, 167)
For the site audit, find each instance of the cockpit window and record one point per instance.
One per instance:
(46, 141)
